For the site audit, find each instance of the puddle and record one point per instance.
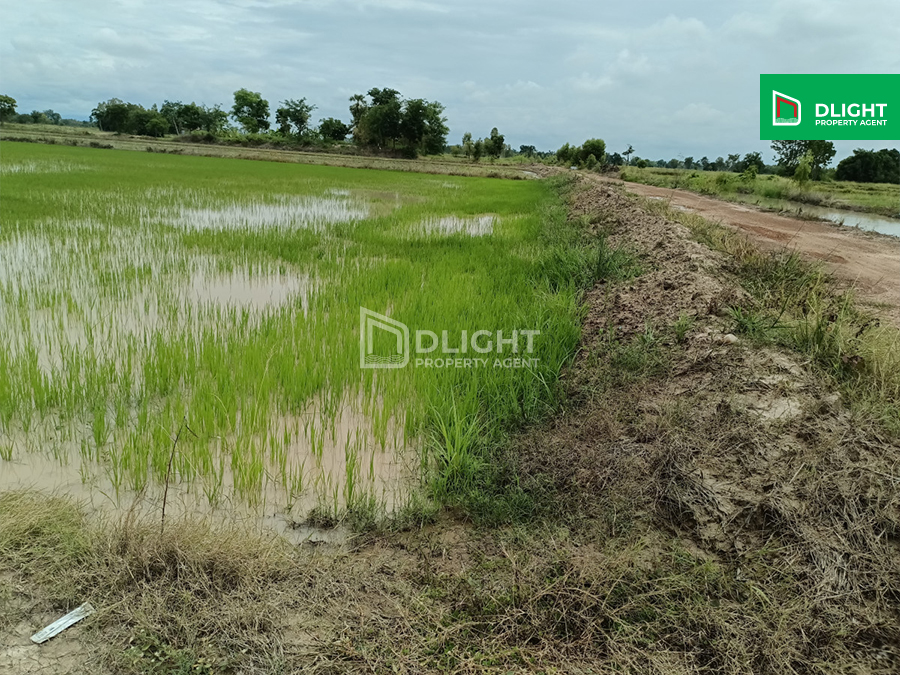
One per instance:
(282, 212)
(478, 226)
(323, 458)
(258, 291)
(864, 221)
(106, 324)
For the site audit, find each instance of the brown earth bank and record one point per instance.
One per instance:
(701, 504)
(868, 261)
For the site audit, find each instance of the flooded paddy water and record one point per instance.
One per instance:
(149, 299)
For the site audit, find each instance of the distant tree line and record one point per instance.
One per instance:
(172, 116)
(733, 162)
(869, 166)
(381, 120)
(8, 114)
(814, 157)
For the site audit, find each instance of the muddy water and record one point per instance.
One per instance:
(321, 459)
(281, 211)
(205, 299)
(864, 221)
(477, 226)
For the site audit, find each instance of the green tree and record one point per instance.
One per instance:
(293, 116)
(413, 122)
(595, 147)
(804, 170)
(52, 116)
(183, 117)
(564, 154)
(704, 164)
(358, 107)
(688, 163)
(628, 153)
(527, 150)
(478, 149)
(332, 129)
(789, 154)
(383, 96)
(251, 111)
(868, 166)
(493, 146)
(156, 126)
(468, 146)
(435, 138)
(213, 120)
(753, 159)
(111, 115)
(7, 107)
(146, 122)
(378, 123)
(386, 120)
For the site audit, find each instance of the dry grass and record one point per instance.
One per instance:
(194, 592)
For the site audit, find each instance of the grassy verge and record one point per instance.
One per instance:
(796, 304)
(879, 198)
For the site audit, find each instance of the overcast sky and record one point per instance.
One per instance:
(671, 78)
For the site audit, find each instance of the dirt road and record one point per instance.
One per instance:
(870, 262)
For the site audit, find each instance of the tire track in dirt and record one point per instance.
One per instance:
(868, 261)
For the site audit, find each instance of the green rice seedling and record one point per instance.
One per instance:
(351, 471)
(454, 458)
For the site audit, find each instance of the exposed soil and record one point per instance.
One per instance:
(869, 261)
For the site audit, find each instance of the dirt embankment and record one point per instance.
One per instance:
(732, 452)
(870, 262)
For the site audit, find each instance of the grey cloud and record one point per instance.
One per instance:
(672, 78)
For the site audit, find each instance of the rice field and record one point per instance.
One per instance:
(195, 322)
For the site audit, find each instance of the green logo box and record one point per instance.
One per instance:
(829, 107)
